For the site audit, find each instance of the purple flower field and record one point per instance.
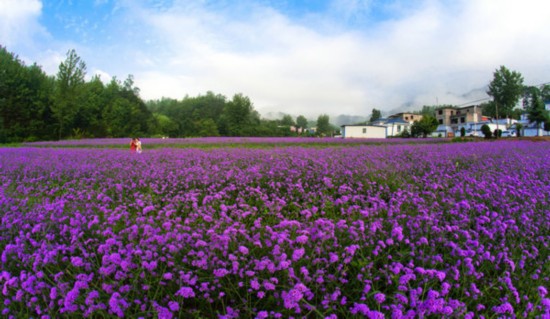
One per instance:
(376, 231)
(229, 141)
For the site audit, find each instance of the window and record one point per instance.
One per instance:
(462, 119)
(440, 112)
(398, 128)
(364, 130)
(440, 121)
(406, 117)
(412, 117)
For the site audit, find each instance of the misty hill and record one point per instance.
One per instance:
(335, 120)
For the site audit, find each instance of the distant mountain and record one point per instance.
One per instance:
(475, 96)
(273, 115)
(344, 119)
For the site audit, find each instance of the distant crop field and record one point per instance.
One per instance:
(383, 230)
(217, 142)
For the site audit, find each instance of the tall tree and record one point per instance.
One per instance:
(287, 120)
(301, 122)
(536, 111)
(375, 115)
(424, 127)
(323, 125)
(237, 116)
(25, 102)
(506, 88)
(88, 121)
(545, 93)
(69, 84)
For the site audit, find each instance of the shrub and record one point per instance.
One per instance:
(519, 126)
(486, 130)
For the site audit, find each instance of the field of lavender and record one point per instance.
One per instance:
(377, 231)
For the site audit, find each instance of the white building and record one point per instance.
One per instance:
(394, 126)
(363, 131)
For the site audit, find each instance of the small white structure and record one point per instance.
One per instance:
(394, 126)
(363, 131)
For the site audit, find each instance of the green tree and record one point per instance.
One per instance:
(88, 120)
(287, 120)
(301, 122)
(545, 93)
(125, 114)
(165, 126)
(25, 100)
(486, 130)
(68, 90)
(375, 115)
(207, 127)
(536, 110)
(426, 126)
(547, 125)
(237, 116)
(323, 125)
(506, 88)
(519, 126)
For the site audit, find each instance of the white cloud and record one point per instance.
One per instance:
(419, 53)
(18, 21)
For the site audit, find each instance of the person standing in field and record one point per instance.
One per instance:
(138, 145)
(133, 145)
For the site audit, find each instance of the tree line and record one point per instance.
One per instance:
(37, 106)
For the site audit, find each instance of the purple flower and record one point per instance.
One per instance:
(542, 291)
(505, 308)
(116, 303)
(173, 306)
(397, 232)
(379, 297)
(243, 250)
(186, 292)
(221, 272)
(302, 239)
(359, 308)
(92, 295)
(298, 254)
(77, 261)
(167, 276)
(292, 298)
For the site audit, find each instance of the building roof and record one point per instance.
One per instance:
(361, 125)
(396, 120)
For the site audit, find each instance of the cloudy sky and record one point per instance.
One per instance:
(295, 56)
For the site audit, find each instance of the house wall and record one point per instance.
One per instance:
(443, 116)
(363, 131)
(407, 117)
(465, 115)
(394, 129)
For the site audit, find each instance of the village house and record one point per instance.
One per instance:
(452, 119)
(407, 117)
(363, 131)
(395, 126)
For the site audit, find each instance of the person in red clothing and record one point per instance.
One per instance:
(133, 145)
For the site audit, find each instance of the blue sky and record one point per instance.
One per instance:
(299, 57)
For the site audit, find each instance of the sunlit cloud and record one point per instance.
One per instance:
(344, 57)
